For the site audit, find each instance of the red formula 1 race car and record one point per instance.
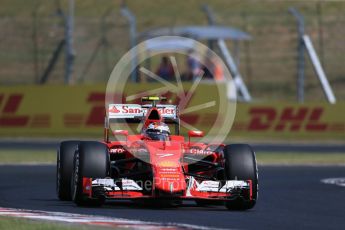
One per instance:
(155, 165)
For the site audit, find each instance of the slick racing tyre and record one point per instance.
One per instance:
(64, 168)
(91, 160)
(240, 164)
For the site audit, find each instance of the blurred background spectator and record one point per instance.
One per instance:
(193, 66)
(165, 69)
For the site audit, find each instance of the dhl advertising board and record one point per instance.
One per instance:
(76, 111)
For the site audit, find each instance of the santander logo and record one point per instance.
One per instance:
(114, 110)
(166, 110)
(137, 109)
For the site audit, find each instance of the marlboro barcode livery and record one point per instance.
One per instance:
(156, 164)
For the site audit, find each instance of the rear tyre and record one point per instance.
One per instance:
(240, 164)
(64, 169)
(91, 160)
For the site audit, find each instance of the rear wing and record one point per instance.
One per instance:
(134, 113)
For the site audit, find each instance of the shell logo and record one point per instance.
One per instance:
(167, 164)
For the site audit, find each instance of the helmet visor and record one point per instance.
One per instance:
(157, 135)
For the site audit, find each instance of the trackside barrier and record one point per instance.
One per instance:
(61, 111)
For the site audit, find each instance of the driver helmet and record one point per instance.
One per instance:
(158, 131)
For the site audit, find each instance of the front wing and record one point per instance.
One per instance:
(129, 189)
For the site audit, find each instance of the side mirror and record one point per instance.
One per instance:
(195, 133)
(119, 132)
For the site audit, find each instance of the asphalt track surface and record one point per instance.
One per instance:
(290, 198)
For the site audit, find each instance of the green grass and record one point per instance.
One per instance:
(25, 224)
(44, 156)
(301, 158)
(27, 156)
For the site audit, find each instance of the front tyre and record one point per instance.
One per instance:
(91, 160)
(240, 164)
(64, 168)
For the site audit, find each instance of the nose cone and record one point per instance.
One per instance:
(169, 179)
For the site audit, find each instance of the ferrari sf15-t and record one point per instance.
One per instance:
(155, 165)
